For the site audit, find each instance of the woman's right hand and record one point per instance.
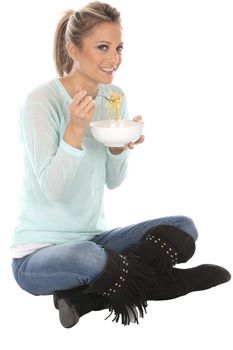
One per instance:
(81, 109)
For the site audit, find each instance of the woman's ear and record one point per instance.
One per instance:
(72, 51)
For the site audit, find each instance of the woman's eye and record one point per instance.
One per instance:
(103, 47)
(119, 49)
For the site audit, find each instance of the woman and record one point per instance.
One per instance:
(61, 244)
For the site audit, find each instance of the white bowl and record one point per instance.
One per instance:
(116, 133)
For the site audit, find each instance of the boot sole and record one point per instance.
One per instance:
(67, 314)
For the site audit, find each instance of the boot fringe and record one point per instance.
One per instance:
(125, 288)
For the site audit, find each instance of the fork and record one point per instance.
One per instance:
(107, 98)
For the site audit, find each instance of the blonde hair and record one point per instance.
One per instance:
(74, 26)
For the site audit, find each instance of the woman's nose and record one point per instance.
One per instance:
(113, 57)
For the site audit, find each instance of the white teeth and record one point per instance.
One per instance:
(107, 69)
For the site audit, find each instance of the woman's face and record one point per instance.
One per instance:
(100, 54)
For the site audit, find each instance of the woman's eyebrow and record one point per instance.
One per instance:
(107, 42)
(103, 41)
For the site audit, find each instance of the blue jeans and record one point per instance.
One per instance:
(69, 265)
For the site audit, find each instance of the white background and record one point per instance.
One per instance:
(177, 73)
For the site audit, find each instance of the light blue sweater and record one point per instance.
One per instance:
(62, 193)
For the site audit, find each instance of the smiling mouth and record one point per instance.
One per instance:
(108, 70)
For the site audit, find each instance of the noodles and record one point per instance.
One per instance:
(113, 104)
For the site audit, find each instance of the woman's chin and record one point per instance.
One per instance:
(107, 80)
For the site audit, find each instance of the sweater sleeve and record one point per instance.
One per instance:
(54, 161)
(117, 168)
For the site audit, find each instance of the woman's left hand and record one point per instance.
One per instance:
(131, 145)
(141, 139)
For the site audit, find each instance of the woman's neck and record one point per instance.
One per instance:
(72, 81)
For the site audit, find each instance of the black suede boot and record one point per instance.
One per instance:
(179, 282)
(124, 284)
(73, 303)
(163, 246)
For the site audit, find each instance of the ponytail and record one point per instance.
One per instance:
(63, 61)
